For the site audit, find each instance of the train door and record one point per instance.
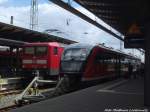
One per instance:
(109, 63)
(41, 57)
(124, 66)
(94, 65)
(118, 65)
(55, 56)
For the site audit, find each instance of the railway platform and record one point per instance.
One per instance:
(10, 83)
(121, 95)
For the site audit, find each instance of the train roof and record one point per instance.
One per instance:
(118, 52)
(90, 47)
(45, 44)
(80, 45)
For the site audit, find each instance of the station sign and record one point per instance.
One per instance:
(134, 37)
(134, 29)
(134, 41)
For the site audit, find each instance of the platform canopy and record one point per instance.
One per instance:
(129, 17)
(120, 14)
(11, 43)
(12, 35)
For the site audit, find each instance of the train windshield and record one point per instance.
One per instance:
(37, 51)
(75, 54)
(41, 51)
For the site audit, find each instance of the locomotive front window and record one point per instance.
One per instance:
(75, 54)
(41, 51)
(29, 50)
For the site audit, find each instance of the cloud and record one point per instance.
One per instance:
(54, 17)
(68, 25)
(3, 1)
(21, 15)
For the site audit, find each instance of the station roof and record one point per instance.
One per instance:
(120, 14)
(11, 43)
(127, 16)
(12, 35)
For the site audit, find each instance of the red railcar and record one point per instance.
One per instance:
(44, 57)
(87, 62)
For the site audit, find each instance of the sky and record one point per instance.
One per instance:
(51, 16)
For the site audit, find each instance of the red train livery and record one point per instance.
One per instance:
(87, 62)
(44, 57)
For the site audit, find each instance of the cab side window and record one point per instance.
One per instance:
(99, 59)
(55, 50)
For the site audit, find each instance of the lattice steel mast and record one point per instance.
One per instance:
(34, 15)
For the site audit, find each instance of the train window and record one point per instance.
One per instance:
(105, 58)
(76, 54)
(40, 51)
(29, 50)
(68, 53)
(125, 60)
(55, 51)
(99, 58)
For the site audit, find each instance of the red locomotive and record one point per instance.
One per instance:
(44, 57)
(86, 62)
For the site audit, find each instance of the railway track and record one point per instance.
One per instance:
(7, 99)
(13, 105)
(6, 109)
(10, 92)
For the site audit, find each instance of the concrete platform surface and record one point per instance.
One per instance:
(126, 95)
